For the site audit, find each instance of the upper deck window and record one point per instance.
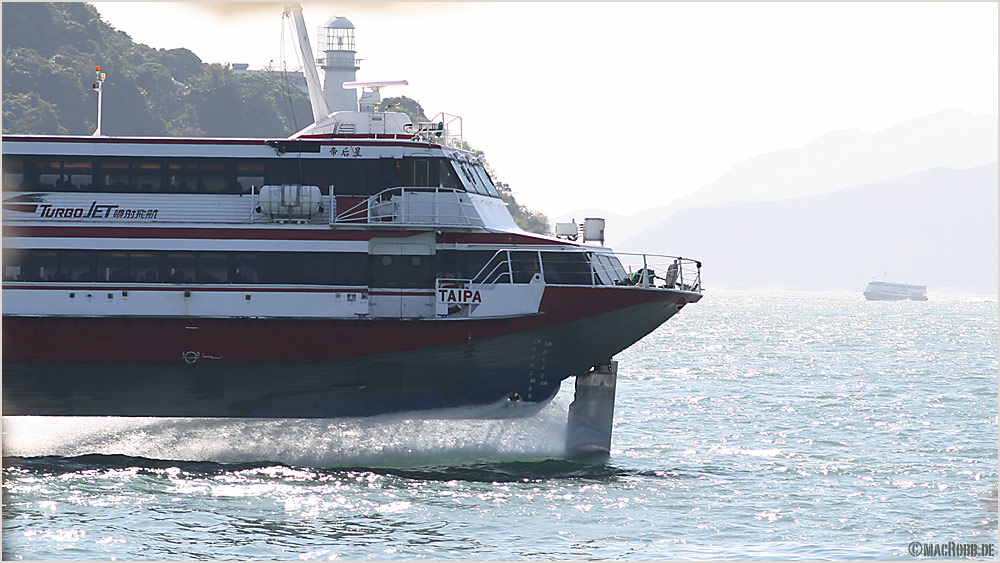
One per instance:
(212, 177)
(491, 189)
(348, 176)
(250, 176)
(13, 172)
(149, 175)
(475, 177)
(49, 173)
(567, 268)
(449, 176)
(115, 175)
(79, 173)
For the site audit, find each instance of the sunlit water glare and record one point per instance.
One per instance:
(761, 425)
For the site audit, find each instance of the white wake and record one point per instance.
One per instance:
(455, 436)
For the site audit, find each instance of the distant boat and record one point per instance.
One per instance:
(892, 291)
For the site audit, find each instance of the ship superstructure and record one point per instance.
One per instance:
(365, 265)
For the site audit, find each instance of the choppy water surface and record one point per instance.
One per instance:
(753, 425)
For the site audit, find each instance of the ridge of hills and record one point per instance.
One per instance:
(936, 227)
(950, 138)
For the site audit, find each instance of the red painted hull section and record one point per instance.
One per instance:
(137, 339)
(317, 368)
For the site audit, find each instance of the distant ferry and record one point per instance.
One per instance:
(892, 291)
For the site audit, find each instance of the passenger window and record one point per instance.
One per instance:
(421, 172)
(524, 266)
(349, 268)
(418, 271)
(449, 178)
(180, 267)
(212, 176)
(250, 176)
(12, 261)
(281, 267)
(112, 266)
(145, 266)
(78, 174)
(384, 271)
(601, 268)
(13, 173)
(616, 267)
(474, 182)
(570, 268)
(115, 176)
(48, 174)
(149, 176)
(321, 268)
(40, 265)
(245, 268)
(486, 181)
(317, 269)
(182, 177)
(74, 265)
(213, 267)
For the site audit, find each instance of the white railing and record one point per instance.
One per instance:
(649, 271)
(415, 206)
(661, 271)
(642, 270)
(444, 128)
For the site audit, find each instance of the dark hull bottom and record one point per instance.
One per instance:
(883, 297)
(526, 366)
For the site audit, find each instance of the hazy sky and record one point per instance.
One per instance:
(625, 106)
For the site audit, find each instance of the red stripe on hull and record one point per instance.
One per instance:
(143, 339)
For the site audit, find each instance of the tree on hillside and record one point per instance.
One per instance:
(49, 55)
(410, 107)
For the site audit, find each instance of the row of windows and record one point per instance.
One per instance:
(319, 268)
(349, 176)
(311, 268)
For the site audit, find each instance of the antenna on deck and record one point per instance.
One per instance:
(99, 86)
(370, 96)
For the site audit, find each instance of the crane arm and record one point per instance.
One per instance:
(316, 99)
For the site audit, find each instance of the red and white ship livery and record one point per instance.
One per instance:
(365, 265)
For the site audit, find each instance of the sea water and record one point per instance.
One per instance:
(753, 425)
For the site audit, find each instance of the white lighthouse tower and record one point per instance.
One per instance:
(336, 57)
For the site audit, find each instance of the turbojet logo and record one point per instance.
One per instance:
(97, 210)
(462, 296)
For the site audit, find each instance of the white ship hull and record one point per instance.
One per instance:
(892, 291)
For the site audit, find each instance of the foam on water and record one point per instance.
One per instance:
(453, 436)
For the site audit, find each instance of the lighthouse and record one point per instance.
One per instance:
(336, 58)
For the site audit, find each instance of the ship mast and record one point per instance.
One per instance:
(99, 86)
(319, 107)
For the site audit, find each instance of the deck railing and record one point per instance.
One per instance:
(641, 270)
(415, 206)
(662, 271)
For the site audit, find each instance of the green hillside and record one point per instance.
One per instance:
(49, 54)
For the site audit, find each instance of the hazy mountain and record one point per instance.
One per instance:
(937, 227)
(951, 138)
